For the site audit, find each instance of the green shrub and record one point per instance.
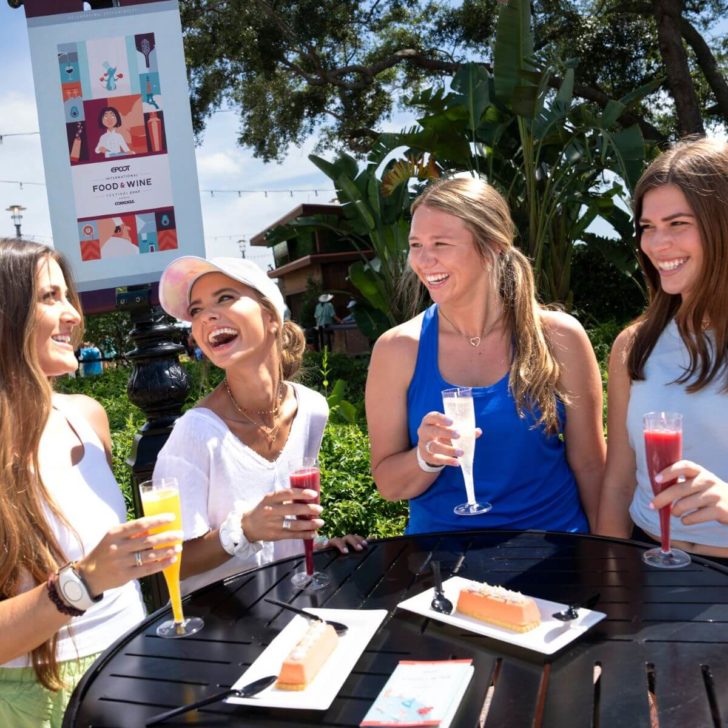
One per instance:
(348, 494)
(352, 370)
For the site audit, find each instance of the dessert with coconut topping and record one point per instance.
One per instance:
(499, 606)
(308, 656)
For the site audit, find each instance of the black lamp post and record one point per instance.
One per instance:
(158, 385)
(16, 215)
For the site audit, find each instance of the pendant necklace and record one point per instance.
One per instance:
(474, 341)
(270, 433)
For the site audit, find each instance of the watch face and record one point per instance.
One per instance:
(73, 591)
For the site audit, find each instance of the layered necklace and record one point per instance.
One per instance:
(474, 341)
(271, 432)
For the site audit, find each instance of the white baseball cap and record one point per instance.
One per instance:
(180, 275)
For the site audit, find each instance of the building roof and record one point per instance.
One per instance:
(303, 210)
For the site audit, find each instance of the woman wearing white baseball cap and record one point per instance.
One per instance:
(233, 451)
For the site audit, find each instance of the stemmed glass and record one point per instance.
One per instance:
(458, 404)
(308, 476)
(663, 447)
(162, 496)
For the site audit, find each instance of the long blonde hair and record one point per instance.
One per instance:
(28, 545)
(534, 371)
(699, 168)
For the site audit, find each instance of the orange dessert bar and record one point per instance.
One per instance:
(499, 606)
(307, 657)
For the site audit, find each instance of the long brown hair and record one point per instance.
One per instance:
(534, 371)
(699, 167)
(28, 547)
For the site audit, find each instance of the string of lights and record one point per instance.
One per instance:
(4, 135)
(212, 193)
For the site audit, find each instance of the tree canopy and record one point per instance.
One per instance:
(340, 67)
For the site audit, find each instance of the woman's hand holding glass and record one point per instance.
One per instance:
(114, 561)
(697, 497)
(275, 516)
(437, 440)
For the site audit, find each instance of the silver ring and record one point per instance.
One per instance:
(138, 558)
(286, 524)
(427, 447)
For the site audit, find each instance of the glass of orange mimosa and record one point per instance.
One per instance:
(162, 496)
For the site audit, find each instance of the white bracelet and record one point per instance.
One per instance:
(232, 537)
(426, 467)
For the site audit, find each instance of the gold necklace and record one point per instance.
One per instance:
(270, 433)
(474, 341)
(276, 410)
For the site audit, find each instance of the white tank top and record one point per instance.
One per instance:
(90, 499)
(705, 432)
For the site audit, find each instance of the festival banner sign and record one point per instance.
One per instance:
(116, 133)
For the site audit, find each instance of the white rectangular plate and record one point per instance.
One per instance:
(324, 687)
(549, 637)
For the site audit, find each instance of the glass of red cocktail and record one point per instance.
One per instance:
(663, 447)
(308, 476)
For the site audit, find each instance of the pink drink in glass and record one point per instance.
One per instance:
(662, 450)
(307, 478)
(663, 447)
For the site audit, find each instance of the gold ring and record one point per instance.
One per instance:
(138, 558)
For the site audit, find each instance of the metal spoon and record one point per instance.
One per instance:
(440, 603)
(340, 628)
(572, 611)
(247, 691)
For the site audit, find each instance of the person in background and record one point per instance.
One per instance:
(536, 384)
(68, 560)
(232, 453)
(349, 318)
(325, 315)
(675, 356)
(91, 362)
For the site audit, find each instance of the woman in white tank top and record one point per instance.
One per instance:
(69, 561)
(675, 356)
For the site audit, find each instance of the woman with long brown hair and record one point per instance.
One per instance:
(533, 374)
(675, 356)
(68, 560)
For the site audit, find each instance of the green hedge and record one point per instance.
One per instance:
(350, 499)
(348, 493)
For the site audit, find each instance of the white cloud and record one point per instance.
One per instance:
(216, 165)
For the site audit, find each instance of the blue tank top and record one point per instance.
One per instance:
(518, 468)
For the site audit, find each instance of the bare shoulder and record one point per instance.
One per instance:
(400, 341)
(563, 331)
(91, 410)
(623, 343)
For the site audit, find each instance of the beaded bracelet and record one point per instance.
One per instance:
(55, 597)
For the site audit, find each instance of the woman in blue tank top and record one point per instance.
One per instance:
(536, 386)
(675, 356)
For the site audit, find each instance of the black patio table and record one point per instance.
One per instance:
(662, 648)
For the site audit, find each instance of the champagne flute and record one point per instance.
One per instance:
(162, 496)
(663, 447)
(308, 476)
(458, 404)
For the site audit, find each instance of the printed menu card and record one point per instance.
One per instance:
(408, 697)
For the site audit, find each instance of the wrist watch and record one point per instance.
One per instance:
(74, 589)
